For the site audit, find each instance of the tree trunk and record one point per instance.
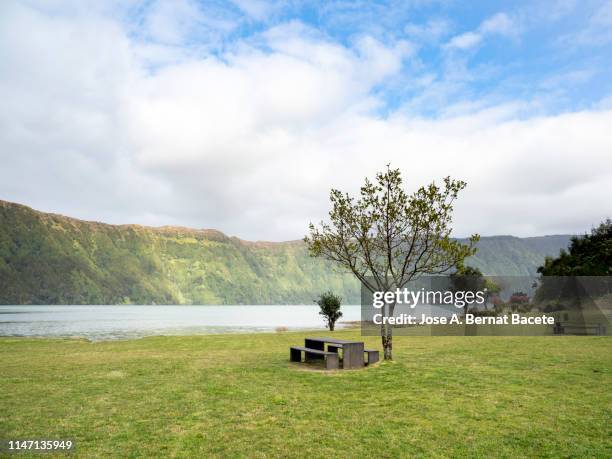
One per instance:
(386, 332)
(387, 342)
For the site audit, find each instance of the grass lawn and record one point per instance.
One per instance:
(237, 395)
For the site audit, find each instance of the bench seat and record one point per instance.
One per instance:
(331, 358)
(562, 328)
(372, 354)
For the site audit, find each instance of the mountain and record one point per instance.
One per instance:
(513, 256)
(52, 259)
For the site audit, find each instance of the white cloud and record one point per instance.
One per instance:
(250, 141)
(465, 40)
(432, 31)
(597, 32)
(571, 78)
(178, 22)
(603, 15)
(256, 9)
(499, 24)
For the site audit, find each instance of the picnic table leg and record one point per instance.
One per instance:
(352, 355)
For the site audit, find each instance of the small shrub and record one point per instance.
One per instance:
(330, 308)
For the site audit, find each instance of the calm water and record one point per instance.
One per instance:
(123, 322)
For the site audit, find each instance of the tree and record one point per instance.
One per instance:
(493, 290)
(388, 238)
(467, 279)
(590, 258)
(588, 255)
(330, 308)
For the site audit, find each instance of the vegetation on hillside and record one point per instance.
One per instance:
(51, 259)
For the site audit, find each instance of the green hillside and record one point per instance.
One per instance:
(513, 256)
(51, 259)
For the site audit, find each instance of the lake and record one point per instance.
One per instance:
(98, 323)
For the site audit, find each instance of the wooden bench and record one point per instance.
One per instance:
(331, 358)
(569, 328)
(372, 355)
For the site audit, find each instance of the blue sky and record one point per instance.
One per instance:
(241, 115)
(555, 54)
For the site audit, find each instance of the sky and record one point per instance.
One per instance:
(242, 115)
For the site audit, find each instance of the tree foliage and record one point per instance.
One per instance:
(330, 308)
(588, 255)
(467, 279)
(590, 258)
(387, 237)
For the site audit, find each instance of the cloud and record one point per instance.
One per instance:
(499, 24)
(603, 15)
(432, 31)
(256, 9)
(465, 40)
(178, 22)
(249, 139)
(597, 31)
(570, 78)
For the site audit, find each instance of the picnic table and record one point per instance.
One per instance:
(352, 352)
(572, 328)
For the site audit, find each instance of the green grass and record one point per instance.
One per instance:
(237, 395)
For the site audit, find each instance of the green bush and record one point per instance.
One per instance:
(330, 308)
